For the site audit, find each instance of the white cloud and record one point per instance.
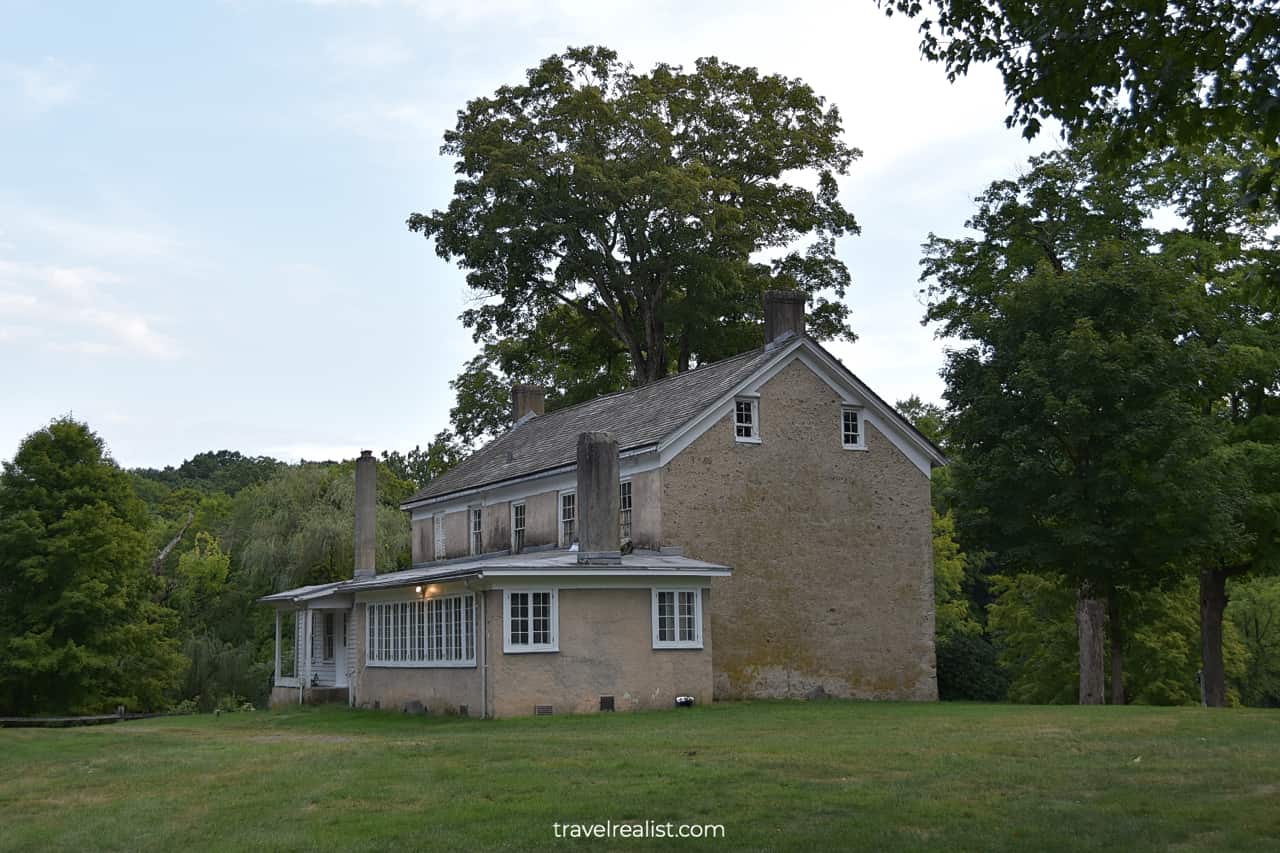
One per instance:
(44, 85)
(131, 331)
(64, 308)
(369, 53)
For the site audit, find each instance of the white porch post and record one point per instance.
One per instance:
(276, 680)
(306, 633)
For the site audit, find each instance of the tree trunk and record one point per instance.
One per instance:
(1090, 614)
(1116, 638)
(1213, 603)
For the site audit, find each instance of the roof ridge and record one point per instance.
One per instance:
(647, 385)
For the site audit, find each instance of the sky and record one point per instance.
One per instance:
(202, 205)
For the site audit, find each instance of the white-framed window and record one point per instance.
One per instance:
(624, 509)
(851, 434)
(517, 528)
(568, 518)
(423, 632)
(746, 419)
(677, 619)
(437, 528)
(477, 531)
(530, 620)
(326, 643)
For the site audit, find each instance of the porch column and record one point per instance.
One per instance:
(276, 680)
(306, 634)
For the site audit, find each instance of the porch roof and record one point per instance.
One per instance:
(559, 562)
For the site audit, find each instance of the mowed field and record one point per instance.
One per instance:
(776, 775)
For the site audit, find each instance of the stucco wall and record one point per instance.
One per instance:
(606, 648)
(541, 516)
(831, 551)
(457, 541)
(421, 539)
(497, 526)
(646, 509)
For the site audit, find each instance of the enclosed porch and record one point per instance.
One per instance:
(314, 658)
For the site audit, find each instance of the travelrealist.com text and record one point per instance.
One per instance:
(645, 829)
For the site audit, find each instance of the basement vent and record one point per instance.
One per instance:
(606, 703)
(542, 710)
(463, 711)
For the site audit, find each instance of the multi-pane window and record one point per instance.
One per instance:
(326, 646)
(477, 536)
(530, 621)
(517, 528)
(624, 510)
(746, 420)
(423, 632)
(677, 618)
(568, 515)
(850, 427)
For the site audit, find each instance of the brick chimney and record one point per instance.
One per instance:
(366, 503)
(598, 537)
(783, 313)
(526, 399)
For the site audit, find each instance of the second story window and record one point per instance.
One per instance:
(746, 419)
(851, 428)
(568, 515)
(477, 537)
(437, 525)
(517, 528)
(624, 509)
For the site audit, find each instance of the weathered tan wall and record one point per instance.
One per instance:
(497, 526)
(441, 690)
(646, 509)
(421, 538)
(606, 649)
(541, 516)
(831, 551)
(457, 534)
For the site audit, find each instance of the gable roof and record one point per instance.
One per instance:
(639, 418)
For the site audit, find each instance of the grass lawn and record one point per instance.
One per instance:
(815, 776)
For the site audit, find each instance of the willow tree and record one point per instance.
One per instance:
(635, 203)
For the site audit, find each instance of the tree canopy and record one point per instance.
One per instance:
(79, 627)
(629, 206)
(1151, 74)
(1076, 394)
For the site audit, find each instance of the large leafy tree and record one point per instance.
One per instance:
(1228, 250)
(79, 627)
(637, 205)
(1075, 397)
(1149, 72)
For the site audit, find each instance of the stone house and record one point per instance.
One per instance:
(779, 462)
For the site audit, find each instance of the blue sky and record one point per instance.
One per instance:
(202, 205)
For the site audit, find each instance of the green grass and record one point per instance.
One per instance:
(776, 775)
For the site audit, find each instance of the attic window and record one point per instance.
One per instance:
(437, 527)
(568, 515)
(517, 528)
(851, 434)
(746, 420)
(477, 537)
(624, 509)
